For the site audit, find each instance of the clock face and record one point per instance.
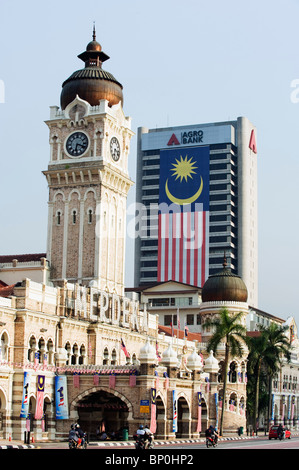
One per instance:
(115, 149)
(76, 144)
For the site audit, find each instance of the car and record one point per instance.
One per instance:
(273, 432)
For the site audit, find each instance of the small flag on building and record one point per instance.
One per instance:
(39, 410)
(124, 349)
(132, 379)
(153, 425)
(157, 352)
(112, 380)
(76, 379)
(166, 383)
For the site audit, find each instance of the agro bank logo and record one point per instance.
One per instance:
(186, 137)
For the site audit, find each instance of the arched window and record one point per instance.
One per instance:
(82, 354)
(74, 216)
(31, 349)
(68, 352)
(74, 355)
(58, 218)
(114, 358)
(232, 374)
(106, 356)
(41, 350)
(50, 349)
(4, 347)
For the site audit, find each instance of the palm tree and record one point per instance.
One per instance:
(228, 329)
(268, 350)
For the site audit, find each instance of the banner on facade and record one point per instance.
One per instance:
(25, 398)
(293, 407)
(216, 407)
(198, 429)
(174, 412)
(289, 407)
(76, 380)
(61, 400)
(132, 379)
(39, 410)
(283, 407)
(183, 219)
(153, 426)
(272, 414)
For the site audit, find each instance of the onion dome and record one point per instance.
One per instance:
(169, 357)
(92, 83)
(211, 364)
(224, 286)
(194, 361)
(147, 353)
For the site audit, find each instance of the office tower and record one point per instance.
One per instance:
(230, 226)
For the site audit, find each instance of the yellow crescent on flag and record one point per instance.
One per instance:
(188, 200)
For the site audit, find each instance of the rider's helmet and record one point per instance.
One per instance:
(141, 426)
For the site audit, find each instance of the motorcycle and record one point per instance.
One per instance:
(74, 444)
(281, 436)
(142, 444)
(210, 442)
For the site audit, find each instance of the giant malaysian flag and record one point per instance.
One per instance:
(183, 229)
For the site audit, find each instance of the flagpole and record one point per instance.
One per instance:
(177, 324)
(172, 330)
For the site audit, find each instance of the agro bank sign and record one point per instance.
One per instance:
(188, 136)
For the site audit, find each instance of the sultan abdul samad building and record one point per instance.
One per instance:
(75, 345)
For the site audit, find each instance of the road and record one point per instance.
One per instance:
(259, 443)
(240, 444)
(195, 455)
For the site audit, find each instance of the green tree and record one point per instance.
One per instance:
(228, 329)
(267, 352)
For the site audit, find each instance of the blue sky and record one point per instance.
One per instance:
(179, 63)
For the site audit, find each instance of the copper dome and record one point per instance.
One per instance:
(92, 83)
(224, 286)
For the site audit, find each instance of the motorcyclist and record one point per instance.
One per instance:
(140, 433)
(73, 434)
(211, 432)
(81, 435)
(148, 436)
(280, 431)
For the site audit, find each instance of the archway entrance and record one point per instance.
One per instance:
(161, 419)
(183, 418)
(2, 412)
(102, 412)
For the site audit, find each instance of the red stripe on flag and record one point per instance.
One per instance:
(181, 247)
(203, 259)
(173, 245)
(166, 247)
(188, 247)
(159, 247)
(195, 267)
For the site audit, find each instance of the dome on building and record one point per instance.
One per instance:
(211, 364)
(224, 286)
(169, 357)
(92, 83)
(194, 361)
(147, 353)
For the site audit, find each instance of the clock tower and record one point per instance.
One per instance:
(88, 177)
